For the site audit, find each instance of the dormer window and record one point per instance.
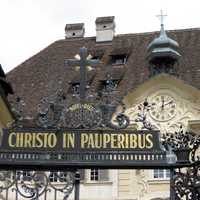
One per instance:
(75, 88)
(111, 80)
(118, 59)
(96, 57)
(97, 54)
(110, 85)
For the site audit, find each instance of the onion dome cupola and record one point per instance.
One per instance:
(162, 53)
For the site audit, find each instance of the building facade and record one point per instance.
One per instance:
(159, 69)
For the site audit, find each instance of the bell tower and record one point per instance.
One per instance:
(162, 52)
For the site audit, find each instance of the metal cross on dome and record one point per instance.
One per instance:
(161, 17)
(83, 60)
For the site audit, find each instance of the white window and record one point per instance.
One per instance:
(161, 174)
(99, 175)
(24, 175)
(58, 176)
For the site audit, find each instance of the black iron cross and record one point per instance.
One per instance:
(83, 62)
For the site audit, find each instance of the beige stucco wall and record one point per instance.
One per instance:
(139, 184)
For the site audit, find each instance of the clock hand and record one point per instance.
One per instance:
(163, 103)
(170, 102)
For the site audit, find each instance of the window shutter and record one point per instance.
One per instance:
(104, 175)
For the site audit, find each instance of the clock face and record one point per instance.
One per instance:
(163, 107)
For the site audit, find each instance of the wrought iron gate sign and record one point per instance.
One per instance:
(89, 133)
(79, 140)
(81, 148)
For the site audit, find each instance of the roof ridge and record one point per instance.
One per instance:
(153, 32)
(137, 33)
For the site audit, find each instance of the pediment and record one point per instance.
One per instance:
(163, 81)
(182, 103)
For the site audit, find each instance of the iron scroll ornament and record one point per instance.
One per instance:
(184, 144)
(55, 112)
(87, 115)
(186, 183)
(35, 185)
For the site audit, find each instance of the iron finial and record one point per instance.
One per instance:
(161, 17)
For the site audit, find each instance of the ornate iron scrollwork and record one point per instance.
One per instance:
(33, 185)
(82, 116)
(186, 183)
(57, 113)
(144, 109)
(183, 143)
(50, 110)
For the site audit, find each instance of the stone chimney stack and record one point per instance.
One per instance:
(74, 30)
(105, 29)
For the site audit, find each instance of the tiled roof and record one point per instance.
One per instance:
(45, 72)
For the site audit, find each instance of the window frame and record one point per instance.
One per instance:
(57, 176)
(88, 176)
(114, 59)
(166, 174)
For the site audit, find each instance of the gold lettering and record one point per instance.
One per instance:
(52, 140)
(39, 143)
(68, 140)
(90, 141)
(27, 139)
(84, 140)
(141, 141)
(149, 141)
(127, 141)
(106, 140)
(21, 140)
(133, 141)
(33, 139)
(10, 140)
(113, 140)
(17, 140)
(45, 139)
(71, 141)
(64, 140)
(87, 140)
(98, 140)
(120, 139)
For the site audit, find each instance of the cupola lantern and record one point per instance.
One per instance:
(162, 52)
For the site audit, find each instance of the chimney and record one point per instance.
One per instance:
(105, 29)
(74, 30)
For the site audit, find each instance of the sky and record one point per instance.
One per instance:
(28, 26)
